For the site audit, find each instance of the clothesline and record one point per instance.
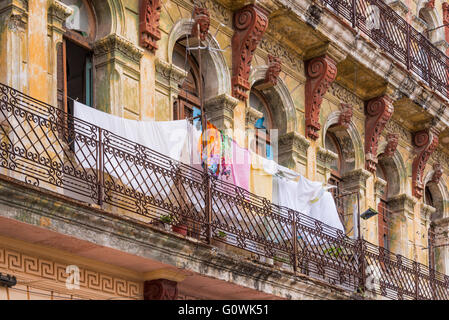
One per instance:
(223, 156)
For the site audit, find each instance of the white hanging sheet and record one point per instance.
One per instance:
(170, 138)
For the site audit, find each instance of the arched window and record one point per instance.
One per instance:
(384, 213)
(332, 143)
(261, 144)
(188, 103)
(75, 56)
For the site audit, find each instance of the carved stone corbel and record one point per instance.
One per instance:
(150, 12)
(160, 289)
(437, 172)
(320, 73)
(345, 115)
(378, 111)
(250, 24)
(392, 144)
(425, 142)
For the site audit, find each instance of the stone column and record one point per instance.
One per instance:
(168, 82)
(402, 225)
(355, 181)
(117, 76)
(423, 233)
(14, 41)
(442, 249)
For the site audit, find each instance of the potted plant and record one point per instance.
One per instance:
(221, 243)
(166, 221)
(279, 261)
(181, 228)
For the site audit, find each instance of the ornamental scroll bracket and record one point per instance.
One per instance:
(201, 18)
(150, 12)
(425, 142)
(320, 72)
(250, 24)
(160, 289)
(378, 111)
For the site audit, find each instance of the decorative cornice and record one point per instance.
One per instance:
(218, 11)
(425, 142)
(379, 186)
(60, 11)
(293, 149)
(378, 111)
(250, 24)
(426, 212)
(150, 12)
(355, 179)
(113, 44)
(169, 74)
(325, 157)
(220, 110)
(402, 202)
(288, 58)
(252, 115)
(320, 73)
(345, 96)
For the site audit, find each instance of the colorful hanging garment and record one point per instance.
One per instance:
(211, 154)
(226, 158)
(241, 166)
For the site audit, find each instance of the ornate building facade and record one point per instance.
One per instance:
(358, 100)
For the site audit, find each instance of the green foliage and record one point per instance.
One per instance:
(167, 218)
(334, 251)
(221, 234)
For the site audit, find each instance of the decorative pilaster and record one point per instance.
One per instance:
(250, 24)
(378, 111)
(220, 111)
(293, 150)
(426, 142)
(392, 144)
(201, 18)
(355, 180)
(345, 115)
(320, 72)
(160, 289)
(150, 12)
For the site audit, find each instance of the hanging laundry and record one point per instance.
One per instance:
(241, 166)
(261, 178)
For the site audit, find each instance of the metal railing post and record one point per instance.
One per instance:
(100, 167)
(408, 55)
(354, 13)
(208, 207)
(295, 243)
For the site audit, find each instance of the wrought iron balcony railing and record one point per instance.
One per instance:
(45, 147)
(393, 34)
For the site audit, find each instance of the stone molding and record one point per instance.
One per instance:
(220, 111)
(114, 44)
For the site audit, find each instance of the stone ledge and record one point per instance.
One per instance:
(20, 202)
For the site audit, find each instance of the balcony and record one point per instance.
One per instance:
(37, 143)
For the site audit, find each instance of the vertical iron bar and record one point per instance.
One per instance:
(408, 55)
(416, 269)
(295, 243)
(354, 13)
(100, 166)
